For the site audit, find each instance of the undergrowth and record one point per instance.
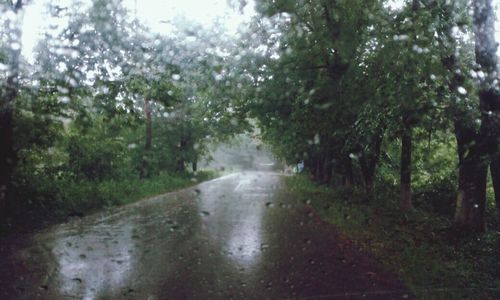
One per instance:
(417, 246)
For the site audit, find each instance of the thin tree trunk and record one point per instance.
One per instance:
(148, 139)
(328, 170)
(181, 162)
(405, 184)
(195, 165)
(321, 169)
(349, 173)
(495, 178)
(368, 176)
(149, 128)
(368, 163)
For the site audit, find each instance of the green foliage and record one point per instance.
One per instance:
(92, 157)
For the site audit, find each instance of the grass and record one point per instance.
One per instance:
(119, 192)
(416, 246)
(68, 198)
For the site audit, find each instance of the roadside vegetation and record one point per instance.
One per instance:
(104, 115)
(416, 245)
(59, 200)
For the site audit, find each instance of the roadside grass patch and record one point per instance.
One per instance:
(70, 198)
(82, 197)
(416, 246)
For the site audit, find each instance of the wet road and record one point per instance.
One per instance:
(242, 236)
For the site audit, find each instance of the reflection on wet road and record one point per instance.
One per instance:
(239, 236)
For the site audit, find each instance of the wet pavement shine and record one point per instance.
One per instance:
(242, 236)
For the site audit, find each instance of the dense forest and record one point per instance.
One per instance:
(394, 105)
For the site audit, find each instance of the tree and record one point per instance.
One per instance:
(9, 93)
(483, 151)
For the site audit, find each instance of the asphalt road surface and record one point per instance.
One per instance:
(241, 236)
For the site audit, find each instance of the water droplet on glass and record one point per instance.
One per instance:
(15, 46)
(316, 139)
(64, 99)
(400, 38)
(269, 204)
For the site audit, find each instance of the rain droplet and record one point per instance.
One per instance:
(15, 46)
(402, 37)
(316, 139)
(64, 99)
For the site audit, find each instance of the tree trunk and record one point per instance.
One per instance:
(471, 196)
(318, 169)
(495, 178)
(348, 173)
(321, 169)
(489, 95)
(328, 169)
(8, 95)
(195, 165)
(368, 163)
(181, 162)
(148, 139)
(7, 157)
(149, 128)
(405, 184)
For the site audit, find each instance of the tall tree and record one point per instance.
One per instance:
(9, 92)
(471, 201)
(489, 90)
